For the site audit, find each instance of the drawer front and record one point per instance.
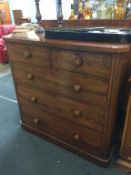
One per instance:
(85, 89)
(68, 109)
(129, 153)
(126, 142)
(32, 55)
(71, 133)
(82, 62)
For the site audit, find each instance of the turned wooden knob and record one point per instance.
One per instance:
(27, 54)
(129, 80)
(77, 113)
(36, 120)
(129, 158)
(33, 99)
(30, 76)
(78, 62)
(76, 137)
(76, 88)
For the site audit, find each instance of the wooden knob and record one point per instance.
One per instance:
(78, 62)
(27, 54)
(77, 113)
(129, 158)
(76, 137)
(129, 80)
(33, 99)
(76, 88)
(30, 76)
(36, 120)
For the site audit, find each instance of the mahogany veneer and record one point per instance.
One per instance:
(124, 162)
(68, 91)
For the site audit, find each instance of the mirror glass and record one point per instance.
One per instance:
(92, 9)
(96, 9)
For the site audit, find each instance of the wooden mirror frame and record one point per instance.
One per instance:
(87, 23)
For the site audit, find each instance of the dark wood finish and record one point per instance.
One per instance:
(87, 23)
(24, 20)
(40, 40)
(124, 163)
(64, 84)
(30, 54)
(18, 17)
(69, 91)
(93, 117)
(59, 128)
(66, 60)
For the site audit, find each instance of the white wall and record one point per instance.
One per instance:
(66, 8)
(47, 8)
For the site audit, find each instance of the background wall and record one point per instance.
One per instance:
(47, 8)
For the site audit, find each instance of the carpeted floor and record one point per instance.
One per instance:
(4, 69)
(22, 153)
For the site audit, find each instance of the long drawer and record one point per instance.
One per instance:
(30, 55)
(71, 133)
(71, 110)
(126, 140)
(85, 89)
(95, 64)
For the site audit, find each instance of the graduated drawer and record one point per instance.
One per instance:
(85, 89)
(126, 140)
(30, 55)
(60, 129)
(96, 64)
(129, 153)
(68, 109)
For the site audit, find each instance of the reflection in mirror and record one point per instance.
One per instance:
(96, 9)
(39, 29)
(59, 13)
(49, 8)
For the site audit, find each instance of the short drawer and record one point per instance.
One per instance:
(68, 132)
(85, 89)
(30, 55)
(96, 64)
(68, 109)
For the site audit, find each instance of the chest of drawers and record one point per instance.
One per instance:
(68, 92)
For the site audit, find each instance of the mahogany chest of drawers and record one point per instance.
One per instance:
(68, 91)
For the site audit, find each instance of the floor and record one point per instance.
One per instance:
(22, 153)
(4, 70)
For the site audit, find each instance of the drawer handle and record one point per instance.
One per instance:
(27, 54)
(77, 113)
(76, 137)
(33, 99)
(129, 80)
(129, 158)
(30, 76)
(36, 120)
(78, 62)
(76, 88)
